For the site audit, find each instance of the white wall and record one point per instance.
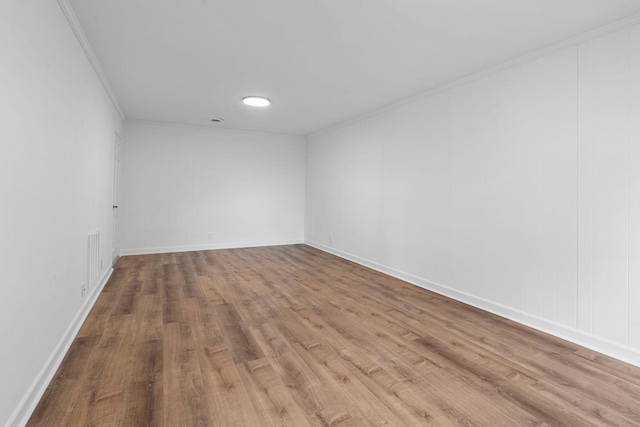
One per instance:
(518, 192)
(189, 188)
(57, 126)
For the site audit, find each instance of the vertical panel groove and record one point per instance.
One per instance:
(525, 200)
(453, 107)
(577, 296)
(628, 183)
(593, 187)
(633, 46)
(556, 138)
(543, 200)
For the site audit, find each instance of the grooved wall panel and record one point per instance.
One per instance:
(533, 154)
(550, 147)
(518, 192)
(512, 178)
(611, 215)
(566, 184)
(585, 187)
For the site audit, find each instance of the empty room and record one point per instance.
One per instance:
(320, 213)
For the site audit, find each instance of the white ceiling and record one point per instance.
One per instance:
(322, 62)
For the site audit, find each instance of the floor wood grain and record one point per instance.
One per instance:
(292, 336)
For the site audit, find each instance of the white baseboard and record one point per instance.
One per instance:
(208, 247)
(592, 342)
(30, 400)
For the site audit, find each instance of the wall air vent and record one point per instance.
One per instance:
(93, 258)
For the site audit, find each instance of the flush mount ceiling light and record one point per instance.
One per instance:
(256, 101)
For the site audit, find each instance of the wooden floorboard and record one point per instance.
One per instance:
(292, 336)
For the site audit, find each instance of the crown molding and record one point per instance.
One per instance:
(574, 41)
(86, 47)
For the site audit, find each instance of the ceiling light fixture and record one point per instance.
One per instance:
(256, 101)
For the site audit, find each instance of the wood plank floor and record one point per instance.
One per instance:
(292, 336)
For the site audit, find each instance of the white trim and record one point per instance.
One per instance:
(30, 400)
(592, 342)
(208, 247)
(86, 47)
(574, 41)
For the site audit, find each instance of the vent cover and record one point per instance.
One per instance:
(93, 258)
